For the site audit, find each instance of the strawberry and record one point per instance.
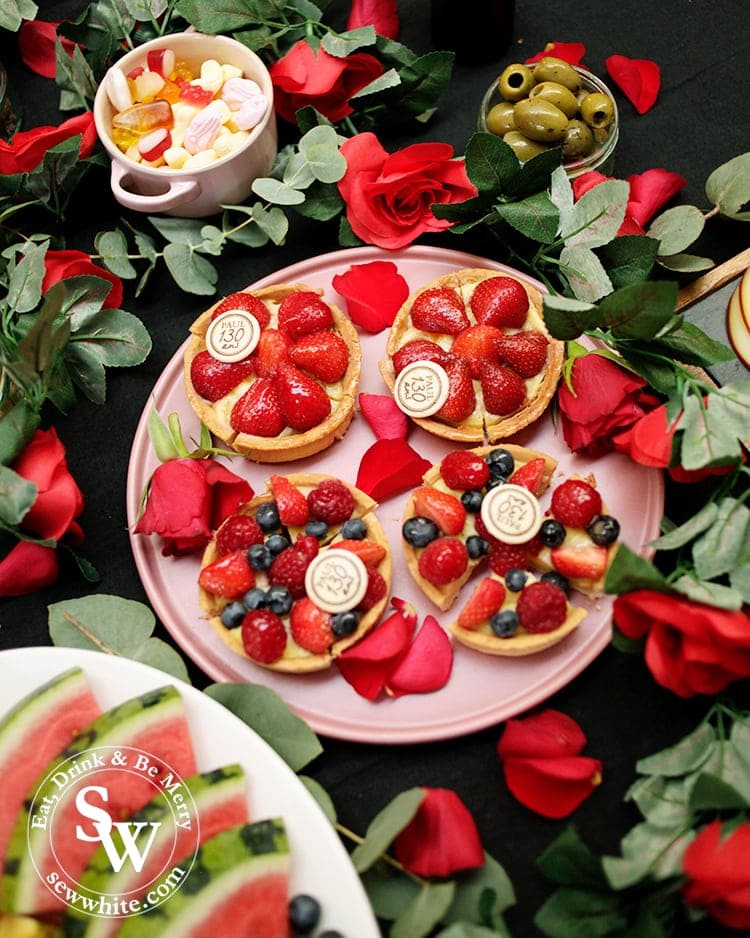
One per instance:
(476, 345)
(263, 636)
(331, 501)
(541, 607)
(504, 557)
(213, 379)
(376, 590)
(530, 475)
(441, 507)
(238, 532)
(463, 469)
(586, 562)
(461, 397)
(231, 576)
(303, 402)
(575, 502)
(503, 390)
(272, 348)
(483, 603)
(289, 567)
(290, 502)
(304, 312)
(246, 301)
(311, 626)
(369, 552)
(258, 411)
(439, 309)
(325, 355)
(524, 352)
(419, 350)
(443, 560)
(500, 301)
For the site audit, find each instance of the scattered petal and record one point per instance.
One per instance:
(552, 787)
(36, 40)
(638, 79)
(27, 568)
(571, 52)
(368, 664)
(651, 190)
(382, 14)
(427, 664)
(387, 420)
(547, 734)
(389, 467)
(374, 293)
(441, 838)
(715, 864)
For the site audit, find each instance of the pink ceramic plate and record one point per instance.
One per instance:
(482, 690)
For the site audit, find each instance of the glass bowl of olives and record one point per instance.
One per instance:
(548, 104)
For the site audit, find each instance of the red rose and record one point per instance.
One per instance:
(719, 875)
(58, 265)
(649, 191)
(382, 14)
(28, 567)
(304, 77)
(691, 648)
(441, 838)
(187, 500)
(27, 148)
(36, 40)
(389, 197)
(605, 399)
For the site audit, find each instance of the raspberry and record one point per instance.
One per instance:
(464, 470)
(263, 636)
(541, 607)
(331, 501)
(504, 557)
(575, 502)
(376, 590)
(230, 576)
(443, 560)
(249, 303)
(238, 532)
(289, 567)
(311, 626)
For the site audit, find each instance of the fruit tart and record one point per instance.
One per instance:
(297, 574)
(274, 373)
(483, 334)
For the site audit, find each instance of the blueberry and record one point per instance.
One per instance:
(317, 529)
(472, 500)
(279, 600)
(267, 516)
(304, 913)
(277, 542)
(603, 530)
(504, 624)
(232, 615)
(259, 557)
(494, 482)
(476, 546)
(255, 598)
(419, 531)
(344, 623)
(515, 579)
(354, 530)
(501, 462)
(556, 579)
(552, 533)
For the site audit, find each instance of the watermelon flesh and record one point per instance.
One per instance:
(36, 730)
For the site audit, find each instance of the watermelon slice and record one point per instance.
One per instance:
(153, 723)
(37, 729)
(238, 886)
(220, 799)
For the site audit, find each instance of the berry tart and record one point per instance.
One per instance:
(297, 574)
(496, 361)
(274, 373)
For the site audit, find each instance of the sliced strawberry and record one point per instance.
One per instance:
(419, 350)
(441, 507)
(541, 607)
(503, 390)
(376, 590)
(476, 345)
(461, 397)
(304, 403)
(324, 354)
(463, 469)
(238, 532)
(439, 309)
(483, 603)
(524, 352)
(230, 577)
(249, 303)
(504, 557)
(304, 312)
(258, 411)
(311, 626)
(575, 502)
(263, 636)
(289, 567)
(443, 560)
(272, 349)
(584, 562)
(530, 475)
(500, 301)
(290, 502)
(369, 552)
(213, 379)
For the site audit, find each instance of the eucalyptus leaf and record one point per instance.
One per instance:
(321, 796)
(728, 187)
(113, 249)
(326, 164)
(584, 272)
(677, 228)
(474, 886)
(276, 192)
(685, 756)
(25, 285)
(388, 890)
(213, 240)
(425, 911)
(298, 173)
(17, 495)
(191, 272)
(178, 230)
(323, 202)
(272, 222)
(385, 826)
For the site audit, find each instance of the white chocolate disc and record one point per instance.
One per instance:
(511, 513)
(232, 336)
(336, 581)
(421, 388)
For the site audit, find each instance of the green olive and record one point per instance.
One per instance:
(522, 146)
(540, 120)
(551, 69)
(597, 109)
(500, 118)
(556, 94)
(578, 140)
(515, 82)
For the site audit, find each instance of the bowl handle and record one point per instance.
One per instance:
(177, 194)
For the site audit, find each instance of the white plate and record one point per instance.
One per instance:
(320, 864)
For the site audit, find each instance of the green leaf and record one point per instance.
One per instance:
(688, 344)
(707, 440)
(87, 371)
(425, 911)
(113, 248)
(323, 202)
(74, 75)
(629, 571)
(730, 405)
(739, 579)
(115, 625)
(17, 495)
(714, 594)
(647, 850)
(676, 229)
(711, 793)
(385, 826)
(146, 10)
(423, 81)
(389, 79)
(561, 192)
(161, 437)
(581, 913)
(567, 318)
(474, 886)
(663, 801)
(344, 44)
(535, 217)
(13, 12)
(640, 310)
(701, 521)
(725, 543)
(567, 861)
(686, 263)
(213, 240)
(265, 712)
(116, 337)
(490, 163)
(687, 755)
(469, 930)
(388, 890)
(584, 272)
(321, 796)
(191, 272)
(179, 230)
(213, 18)
(654, 370)
(325, 164)
(25, 286)
(628, 259)
(298, 173)
(596, 217)
(728, 187)
(16, 429)
(276, 192)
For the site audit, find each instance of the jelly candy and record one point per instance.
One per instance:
(161, 61)
(153, 145)
(169, 92)
(195, 95)
(141, 118)
(182, 71)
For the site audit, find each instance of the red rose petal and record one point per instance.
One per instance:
(389, 467)
(581, 184)
(26, 568)
(228, 490)
(382, 14)
(367, 665)
(571, 52)
(441, 838)
(36, 40)
(374, 293)
(715, 864)
(651, 190)
(649, 440)
(386, 419)
(549, 733)
(638, 79)
(427, 664)
(552, 787)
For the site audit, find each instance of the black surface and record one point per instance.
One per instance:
(699, 121)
